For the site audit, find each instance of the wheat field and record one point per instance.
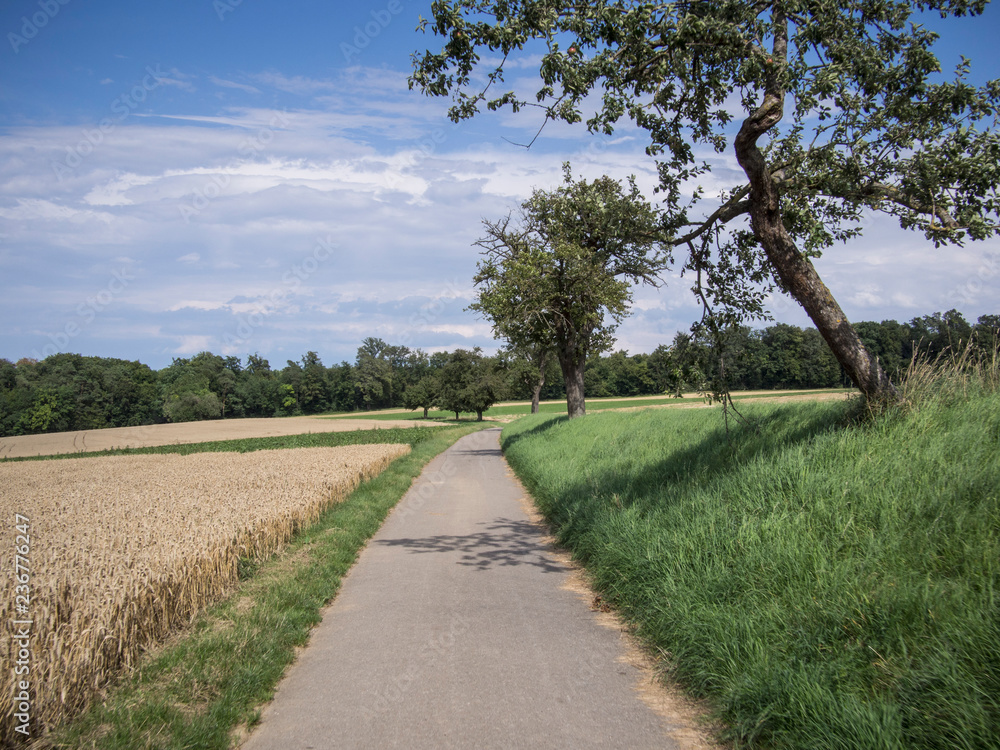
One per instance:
(125, 549)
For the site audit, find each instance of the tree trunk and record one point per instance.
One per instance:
(801, 280)
(479, 416)
(793, 269)
(572, 371)
(426, 408)
(536, 391)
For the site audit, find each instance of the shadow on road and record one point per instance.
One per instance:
(505, 542)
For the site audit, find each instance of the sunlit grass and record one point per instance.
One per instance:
(829, 579)
(593, 404)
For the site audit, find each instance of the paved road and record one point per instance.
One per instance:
(455, 630)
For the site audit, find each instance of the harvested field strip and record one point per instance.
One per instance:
(178, 433)
(377, 435)
(126, 548)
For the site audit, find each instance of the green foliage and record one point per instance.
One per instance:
(43, 415)
(287, 395)
(422, 395)
(551, 278)
(72, 392)
(559, 278)
(468, 382)
(192, 406)
(824, 581)
(871, 122)
(845, 110)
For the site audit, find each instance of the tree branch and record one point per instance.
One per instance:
(735, 206)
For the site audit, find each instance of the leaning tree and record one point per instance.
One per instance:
(841, 110)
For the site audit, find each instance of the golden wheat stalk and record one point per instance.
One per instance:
(125, 549)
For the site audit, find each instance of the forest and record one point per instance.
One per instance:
(73, 392)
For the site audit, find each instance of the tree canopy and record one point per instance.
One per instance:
(557, 277)
(832, 109)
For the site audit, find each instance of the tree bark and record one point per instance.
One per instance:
(576, 405)
(796, 273)
(536, 395)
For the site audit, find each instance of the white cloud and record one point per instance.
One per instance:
(193, 344)
(233, 85)
(294, 84)
(217, 216)
(196, 304)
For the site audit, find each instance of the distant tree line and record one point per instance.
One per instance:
(73, 392)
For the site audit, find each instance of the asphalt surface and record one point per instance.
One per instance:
(456, 629)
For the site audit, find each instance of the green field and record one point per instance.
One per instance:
(593, 404)
(824, 577)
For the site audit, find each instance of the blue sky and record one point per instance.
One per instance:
(253, 176)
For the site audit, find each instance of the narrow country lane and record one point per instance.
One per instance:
(457, 629)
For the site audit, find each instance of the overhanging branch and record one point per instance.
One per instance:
(735, 206)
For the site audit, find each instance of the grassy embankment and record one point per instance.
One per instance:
(209, 680)
(826, 582)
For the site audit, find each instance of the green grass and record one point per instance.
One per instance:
(825, 581)
(410, 435)
(559, 407)
(211, 679)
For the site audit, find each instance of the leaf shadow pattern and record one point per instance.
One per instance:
(505, 542)
(652, 484)
(548, 424)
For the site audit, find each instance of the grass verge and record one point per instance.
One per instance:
(826, 582)
(199, 689)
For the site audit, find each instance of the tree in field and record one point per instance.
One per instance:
(422, 394)
(527, 366)
(373, 373)
(553, 276)
(469, 382)
(843, 111)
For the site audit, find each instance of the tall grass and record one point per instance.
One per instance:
(826, 581)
